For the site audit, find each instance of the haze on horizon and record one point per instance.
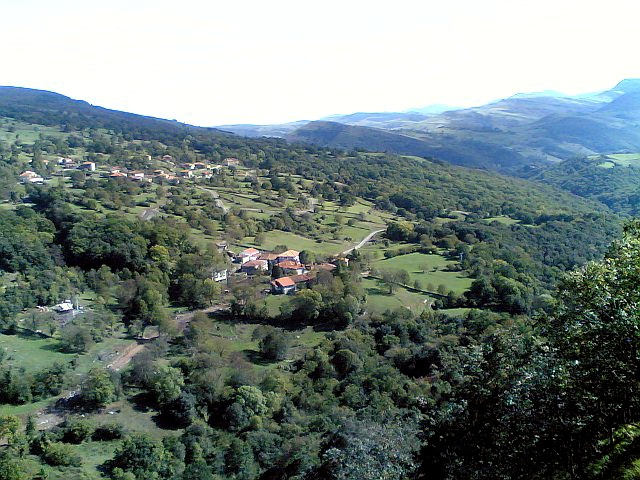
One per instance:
(214, 63)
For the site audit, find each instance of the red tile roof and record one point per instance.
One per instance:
(300, 278)
(283, 282)
(289, 264)
(255, 263)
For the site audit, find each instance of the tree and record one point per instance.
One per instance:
(166, 384)
(307, 305)
(389, 277)
(9, 425)
(98, 388)
(11, 469)
(140, 455)
(275, 345)
(596, 329)
(368, 449)
(75, 338)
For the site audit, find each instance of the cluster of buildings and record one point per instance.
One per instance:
(188, 170)
(286, 269)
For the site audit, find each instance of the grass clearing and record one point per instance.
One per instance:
(427, 269)
(504, 220)
(456, 312)
(379, 300)
(32, 353)
(621, 160)
(296, 242)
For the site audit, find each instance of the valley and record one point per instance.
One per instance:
(180, 302)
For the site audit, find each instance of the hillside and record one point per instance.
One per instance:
(49, 108)
(613, 180)
(455, 150)
(178, 302)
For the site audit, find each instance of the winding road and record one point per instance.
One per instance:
(363, 242)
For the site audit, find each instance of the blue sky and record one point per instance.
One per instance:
(213, 62)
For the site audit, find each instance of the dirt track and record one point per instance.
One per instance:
(122, 359)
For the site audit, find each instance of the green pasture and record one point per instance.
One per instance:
(427, 269)
(621, 160)
(31, 352)
(379, 300)
(297, 242)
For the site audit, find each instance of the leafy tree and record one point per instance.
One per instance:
(166, 384)
(141, 456)
(11, 468)
(59, 454)
(275, 345)
(98, 388)
(75, 338)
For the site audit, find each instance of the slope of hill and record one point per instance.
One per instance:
(48, 108)
(455, 149)
(314, 384)
(613, 180)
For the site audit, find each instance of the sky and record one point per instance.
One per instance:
(272, 61)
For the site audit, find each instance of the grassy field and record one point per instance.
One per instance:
(25, 132)
(238, 337)
(621, 160)
(379, 300)
(274, 302)
(297, 242)
(31, 353)
(456, 312)
(427, 269)
(35, 354)
(502, 219)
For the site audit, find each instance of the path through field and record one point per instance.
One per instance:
(215, 195)
(123, 358)
(363, 242)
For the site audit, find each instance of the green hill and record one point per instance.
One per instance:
(613, 180)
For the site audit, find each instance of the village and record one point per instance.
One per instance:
(65, 165)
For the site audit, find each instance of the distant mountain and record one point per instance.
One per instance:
(249, 130)
(385, 120)
(515, 135)
(382, 120)
(434, 109)
(455, 150)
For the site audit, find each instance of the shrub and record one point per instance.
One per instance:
(76, 431)
(108, 431)
(59, 454)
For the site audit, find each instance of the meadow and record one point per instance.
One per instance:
(427, 269)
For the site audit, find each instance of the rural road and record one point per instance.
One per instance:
(215, 195)
(123, 359)
(363, 242)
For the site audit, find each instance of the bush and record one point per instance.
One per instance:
(76, 431)
(59, 454)
(108, 431)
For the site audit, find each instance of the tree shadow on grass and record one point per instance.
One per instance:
(378, 291)
(142, 402)
(257, 359)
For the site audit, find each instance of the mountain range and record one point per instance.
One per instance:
(516, 135)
